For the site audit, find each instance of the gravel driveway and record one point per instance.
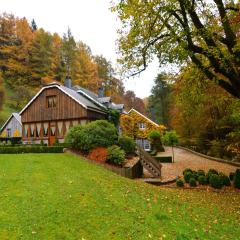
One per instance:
(185, 159)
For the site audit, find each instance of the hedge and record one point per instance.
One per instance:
(164, 159)
(31, 149)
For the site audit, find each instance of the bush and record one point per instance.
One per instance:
(192, 182)
(180, 183)
(188, 176)
(127, 144)
(202, 180)
(31, 149)
(210, 172)
(225, 180)
(200, 173)
(100, 133)
(187, 170)
(236, 181)
(170, 138)
(155, 139)
(231, 176)
(216, 149)
(115, 155)
(215, 181)
(195, 175)
(98, 154)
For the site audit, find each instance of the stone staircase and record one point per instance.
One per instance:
(149, 163)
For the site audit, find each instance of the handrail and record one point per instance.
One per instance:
(149, 158)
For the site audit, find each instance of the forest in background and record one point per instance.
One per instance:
(31, 57)
(201, 38)
(206, 117)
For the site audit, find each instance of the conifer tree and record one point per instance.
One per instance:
(33, 26)
(40, 58)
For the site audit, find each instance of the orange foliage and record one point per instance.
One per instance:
(98, 154)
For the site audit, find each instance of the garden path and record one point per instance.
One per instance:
(185, 159)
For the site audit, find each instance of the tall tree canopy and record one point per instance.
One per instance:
(31, 57)
(205, 32)
(132, 101)
(159, 101)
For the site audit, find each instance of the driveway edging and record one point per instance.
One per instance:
(209, 157)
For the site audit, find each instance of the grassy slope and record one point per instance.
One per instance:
(58, 196)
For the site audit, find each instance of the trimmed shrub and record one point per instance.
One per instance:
(100, 133)
(164, 159)
(98, 154)
(231, 176)
(225, 180)
(202, 180)
(31, 149)
(200, 173)
(155, 138)
(115, 155)
(187, 170)
(192, 182)
(188, 176)
(236, 181)
(180, 183)
(210, 172)
(127, 144)
(195, 175)
(215, 181)
(213, 171)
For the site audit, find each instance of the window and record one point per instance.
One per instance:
(45, 129)
(8, 132)
(142, 125)
(147, 146)
(51, 101)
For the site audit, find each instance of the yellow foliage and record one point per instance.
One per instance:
(3, 134)
(16, 133)
(130, 125)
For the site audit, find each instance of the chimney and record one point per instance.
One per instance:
(101, 92)
(68, 82)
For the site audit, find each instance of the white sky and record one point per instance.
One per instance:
(90, 21)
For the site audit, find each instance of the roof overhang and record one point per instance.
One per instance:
(143, 116)
(53, 86)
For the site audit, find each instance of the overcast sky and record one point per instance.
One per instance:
(90, 21)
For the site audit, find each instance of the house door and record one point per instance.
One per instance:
(52, 135)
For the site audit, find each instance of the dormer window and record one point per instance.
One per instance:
(142, 126)
(51, 101)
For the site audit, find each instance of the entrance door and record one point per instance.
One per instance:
(52, 135)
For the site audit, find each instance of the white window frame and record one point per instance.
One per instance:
(142, 125)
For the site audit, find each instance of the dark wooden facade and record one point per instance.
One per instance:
(41, 122)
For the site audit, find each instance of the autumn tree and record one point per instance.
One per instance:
(113, 86)
(181, 30)
(132, 101)
(57, 70)
(203, 113)
(8, 44)
(84, 71)
(40, 57)
(68, 51)
(1, 93)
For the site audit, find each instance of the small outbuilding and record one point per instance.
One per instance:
(12, 128)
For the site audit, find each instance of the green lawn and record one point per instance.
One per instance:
(58, 196)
